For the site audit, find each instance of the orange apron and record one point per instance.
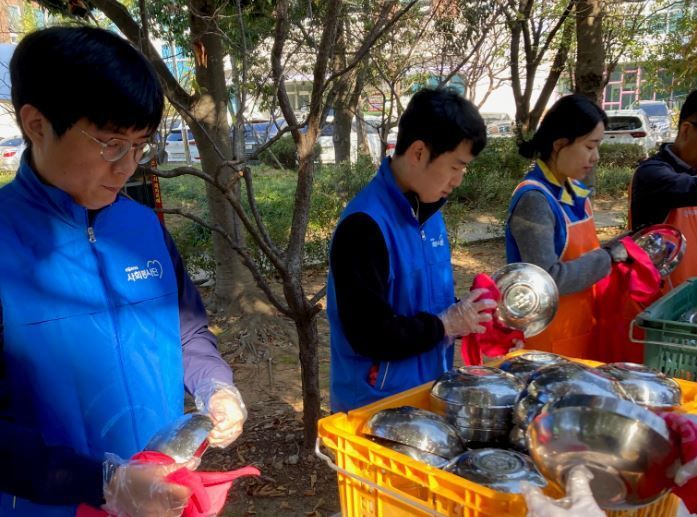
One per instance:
(572, 329)
(685, 220)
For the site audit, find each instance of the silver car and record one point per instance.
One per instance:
(630, 127)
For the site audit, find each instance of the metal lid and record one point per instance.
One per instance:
(664, 244)
(564, 378)
(500, 469)
(644, 385)
(524, 364)
(481, 386)
(416, 428)
(529, 297)
(184, 438)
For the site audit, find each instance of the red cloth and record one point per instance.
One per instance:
(684, 433)
(498, 338)
(208, 489)
(620, 296)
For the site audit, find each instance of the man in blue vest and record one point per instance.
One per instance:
(101, 329)
(391, 301)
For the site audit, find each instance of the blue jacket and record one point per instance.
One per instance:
(563, 204)
(420, 280)
(90, 317)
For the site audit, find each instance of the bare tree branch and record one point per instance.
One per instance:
(248, 261)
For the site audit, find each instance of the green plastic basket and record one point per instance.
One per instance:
(670, 345)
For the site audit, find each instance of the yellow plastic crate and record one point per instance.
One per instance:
(375, 481)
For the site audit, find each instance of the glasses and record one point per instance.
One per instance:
(116, 148)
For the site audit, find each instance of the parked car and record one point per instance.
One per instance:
(326, 141)
(11, 150)
(255, 134)
(630, 127)
(174, 147)
(660, 119)
(498, 124)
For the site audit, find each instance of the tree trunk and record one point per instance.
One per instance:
(342, 111)
(212, 133)
(308, 342)
(590, 51)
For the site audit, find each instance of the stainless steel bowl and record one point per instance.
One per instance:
(480, 397)
(564, 378)
(416, 454)
(498, 469)
(689, 316)
(526, 408)
(494, 416)
(477, 436)
(477, 386)
(529, 297)
(627, 447)
(416, 428)
(646, 386)
(664, 244)
(518, 439)
(524, 364)
(183, 439)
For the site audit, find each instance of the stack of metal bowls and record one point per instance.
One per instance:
(551, 382)
(523, 365)
(498, 469)
(478, 401)
(627, 448)
(415, 432)
(646, 386)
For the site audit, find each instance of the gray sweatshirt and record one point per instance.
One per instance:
(532, 227)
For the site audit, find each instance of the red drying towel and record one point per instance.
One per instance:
(620, 296)
(208, 489)
(498, 338)
(683, 430)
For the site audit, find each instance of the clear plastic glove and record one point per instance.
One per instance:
(686, 472)
(465, 317)
(578, 502)
(225, 406)
(136, 489)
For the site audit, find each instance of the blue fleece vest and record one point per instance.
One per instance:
(576, 211)
(420, 280)
(91, 324)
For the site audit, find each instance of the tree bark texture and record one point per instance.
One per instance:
(590, 50)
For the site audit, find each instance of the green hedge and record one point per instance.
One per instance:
(621, 155)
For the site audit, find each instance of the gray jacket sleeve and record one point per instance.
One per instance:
(532, 227)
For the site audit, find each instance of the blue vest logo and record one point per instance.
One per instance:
(152, 269)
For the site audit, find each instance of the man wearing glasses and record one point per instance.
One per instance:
(664, 189)
(101, 329)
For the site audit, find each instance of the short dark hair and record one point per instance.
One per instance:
(689, 108)
(442, 119)
(570, 117)
(70, 73)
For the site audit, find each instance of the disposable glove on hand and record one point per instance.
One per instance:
(465, 317)
(617, 251)
(225, 406)
(578, 502)
(136, 489)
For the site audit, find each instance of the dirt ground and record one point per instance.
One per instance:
(264, 358)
